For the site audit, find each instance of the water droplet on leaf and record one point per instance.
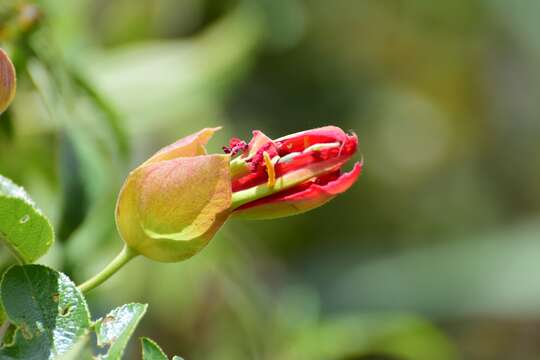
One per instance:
(24, 219)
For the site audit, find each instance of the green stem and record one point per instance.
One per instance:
(118, 262)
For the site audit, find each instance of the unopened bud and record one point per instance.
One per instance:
(7, 81)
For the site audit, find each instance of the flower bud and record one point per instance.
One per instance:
(7, 81)
(172, 205)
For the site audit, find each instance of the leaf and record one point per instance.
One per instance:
(48, 310)
(116, 328)
(151, 350)
(81, 350)
(23, 227)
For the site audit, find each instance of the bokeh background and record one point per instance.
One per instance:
(434, 253)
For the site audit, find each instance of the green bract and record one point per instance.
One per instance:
(170, 207)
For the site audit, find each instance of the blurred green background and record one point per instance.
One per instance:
(434, 253)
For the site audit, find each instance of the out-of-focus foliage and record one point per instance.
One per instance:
(442, 225)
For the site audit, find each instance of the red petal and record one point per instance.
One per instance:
(339, 155)
(301, 198)
(301, 140)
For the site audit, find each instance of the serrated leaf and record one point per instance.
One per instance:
(116, 328)
(48, 310)
(23, 227)
(151, 350)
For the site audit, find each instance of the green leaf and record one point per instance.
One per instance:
(115, 329)
(48, 310)
(151, 350)
(23, 228)
(81, 350)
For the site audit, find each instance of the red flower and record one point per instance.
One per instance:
(292, 174)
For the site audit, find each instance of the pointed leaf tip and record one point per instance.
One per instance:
(151, 350)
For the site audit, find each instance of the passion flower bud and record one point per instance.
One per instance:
(292, 174)
(7, 81)
(172, 205)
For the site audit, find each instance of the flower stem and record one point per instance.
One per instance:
(118, 262)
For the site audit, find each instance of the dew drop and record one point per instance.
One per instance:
(24, 219)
